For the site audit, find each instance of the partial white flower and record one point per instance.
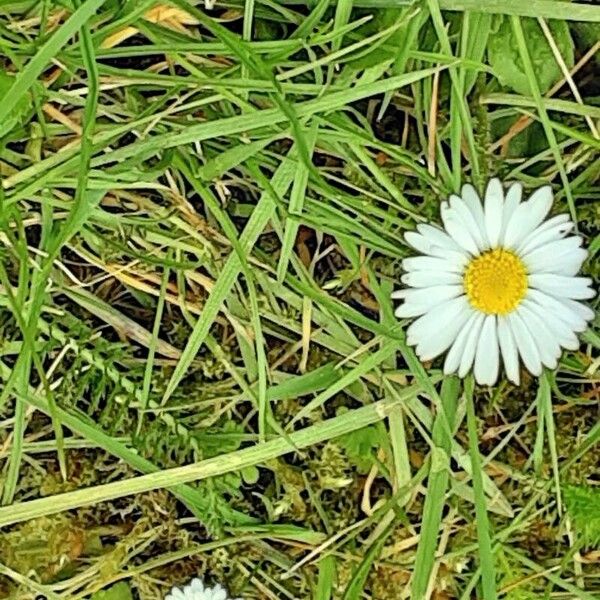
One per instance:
(198, 590)
(496, 281)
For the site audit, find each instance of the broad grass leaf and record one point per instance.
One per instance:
(586, 35)
(120, 591)
(18, 114)
(389, 48)
(503, 54)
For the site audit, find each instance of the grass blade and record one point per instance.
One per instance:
(45, 54)
(225, 463)
(436, 491)
(486, 557)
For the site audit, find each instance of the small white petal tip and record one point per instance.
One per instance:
(198, 590)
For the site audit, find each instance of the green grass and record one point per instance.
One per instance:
(200, 371)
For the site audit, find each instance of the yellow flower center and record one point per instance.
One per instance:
(495, 282)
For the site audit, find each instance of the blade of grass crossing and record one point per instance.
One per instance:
(380, 176)
(302, 385)
(282, 179)
(436, 490)
(160, 305)
(576, 11)
(486, 557)
(396, 428)
(573, 11)
(585, 445)
(295, 207)
(547, 125)
(21, 372)
(84, 202)
(343, 10)
(232, 157)
(313, 19)
(574, 591)
(538, 448)
(354, 590)
(399, 443)
(334, 57)
(458, 99)
(413, 19)
(232, 234)
(255, 63)
(474, 33)
(41, 591)
(225, 463)
(191, 497)
(366, 365)
(546, 401)
(262, 118)
(137, 9)
(247, 34)
(45, 54)
(325, 582)
(39, 279)
(18, 431)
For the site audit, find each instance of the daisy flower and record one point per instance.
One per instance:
(498, 280)
(198, 590)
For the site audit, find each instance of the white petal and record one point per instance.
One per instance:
(433, 346)
(429, 245)
(196, 585)
(508, 348)
(558, 308)
(418, 242)
(457, 228)
(407, 311)
(471, 199)
(455, 354)
(567, 264)
(470, 346)
(528, 216)
(547, 345)
(427, 278)
(511, 202)
(538, 322)
(494, 206)
(551, 230)
(568, 339)
(439, 292)
(577, 288)
(428, 263)
(554, 247)
(419, 301)
(585, 312)
(563, 257)
(559, 329)
(430, 323)
(469, 220)
(219, 594)
(437, 237)
(526, 346)
(436, 345)
(486, 358)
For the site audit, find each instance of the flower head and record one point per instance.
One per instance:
(197, 590)
(498, 280)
